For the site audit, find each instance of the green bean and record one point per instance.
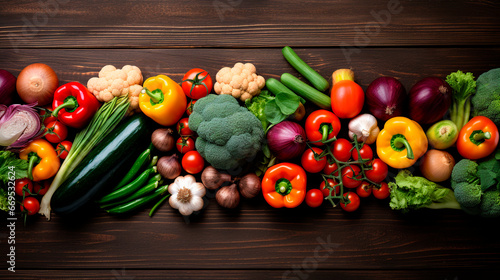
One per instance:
(138, 203)
(136, 167)
(129, 188)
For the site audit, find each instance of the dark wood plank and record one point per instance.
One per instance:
(238, 23)
(123, 274)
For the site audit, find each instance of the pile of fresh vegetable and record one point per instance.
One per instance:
(123, 143)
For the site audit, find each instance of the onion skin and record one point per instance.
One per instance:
(169, 166)
(250, 185)
(228, 196)
(37, 83)
(386, 98)
(286, 140)
(7, 87)
(163, 140)
(430, 99)
(212, 179)
(436, 165)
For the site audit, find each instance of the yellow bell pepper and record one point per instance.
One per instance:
(43, 161)
(163, 100)
(401, 142)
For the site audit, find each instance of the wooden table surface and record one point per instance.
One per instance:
(405, 39)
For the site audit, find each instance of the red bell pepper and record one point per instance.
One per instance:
(74, 105)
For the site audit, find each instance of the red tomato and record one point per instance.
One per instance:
(31, 205)
(341, 149)
(348, 176)
(23, 187)
(365, 151)
(331, 183)
(193, 162)
(383, 192)
(347, 99)
(330, 168)
(379, 171)
(351, 202)
(183, 127)
(310, 164)
(63, 149)
(196, 83)
(321, 125)
(189, 108)
(185, 144)
(41, 187)
(314, 198)
(364, 190)
(56, 132)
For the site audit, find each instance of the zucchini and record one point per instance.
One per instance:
(312, 76)
(306, 91)
(276, 87)
(104, 166)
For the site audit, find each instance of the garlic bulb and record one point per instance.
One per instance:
(187, 194)
(365, 128)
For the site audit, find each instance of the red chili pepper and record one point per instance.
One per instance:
(321, 125)
(74, 105)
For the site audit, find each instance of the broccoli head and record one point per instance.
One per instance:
(228, 134)
(468, 195)
(490, 204)
(486, 101)
(465, 171)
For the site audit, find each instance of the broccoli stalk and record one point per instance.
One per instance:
(463, 86)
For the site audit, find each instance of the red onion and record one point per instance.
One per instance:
(386, 98)
(430, 98)
(19, 125)
(286, 140)
(7, 87)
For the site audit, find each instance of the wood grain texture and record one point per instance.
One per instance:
(245, 23)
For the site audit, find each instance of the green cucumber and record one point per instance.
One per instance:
(312, 76)
(306, 91)
(104, 166)
(276, 87)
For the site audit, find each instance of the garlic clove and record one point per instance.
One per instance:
(196, 203)
(173, 201)
(198, 189)
(186, 209)
(174, 188)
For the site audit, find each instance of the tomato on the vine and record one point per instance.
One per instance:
(351, 203)
(23, 187)
(193, 162)
(189, 108)
(378, 172)
(309, 163)
(183, 127)
(331, 168)
(56, 132)
(31, 205)
(341, 149)
(333, 184)
(347, 99)
(63, 149)
(41, 187)
(196, 83)
(185, 144)
(351, 176)
(314, 198)
(383, 192)
(366, 152)
(364, 190)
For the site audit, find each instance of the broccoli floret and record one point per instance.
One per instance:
(490, 204)
(464, 172)
(486, 101)
(229, 134)
(468, 195)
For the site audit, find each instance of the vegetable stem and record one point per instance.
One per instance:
(70, 103)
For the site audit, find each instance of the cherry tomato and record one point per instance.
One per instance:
(331, 183)
(23, 187)
(63, 149)
(196, 83)
(348, 176)
(31, 205)
(56, 132)
(193, 162)
(330, 168)
(365, 151)
(189, 108)
(41, 187)
(347, 99)
(364, 190)
(314, 198)
(185, 144)
(383, 192)
(341, 149)
(46, 114)
(310, 164)
(352, 202)
(183, 127)
(379, 171)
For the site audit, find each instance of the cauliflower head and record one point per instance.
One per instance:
(241, 81)
(228, 134)
(114, 82)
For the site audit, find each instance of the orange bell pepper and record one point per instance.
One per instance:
(284, 185)
(43, 161)
(163, 100)
(478, 138)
